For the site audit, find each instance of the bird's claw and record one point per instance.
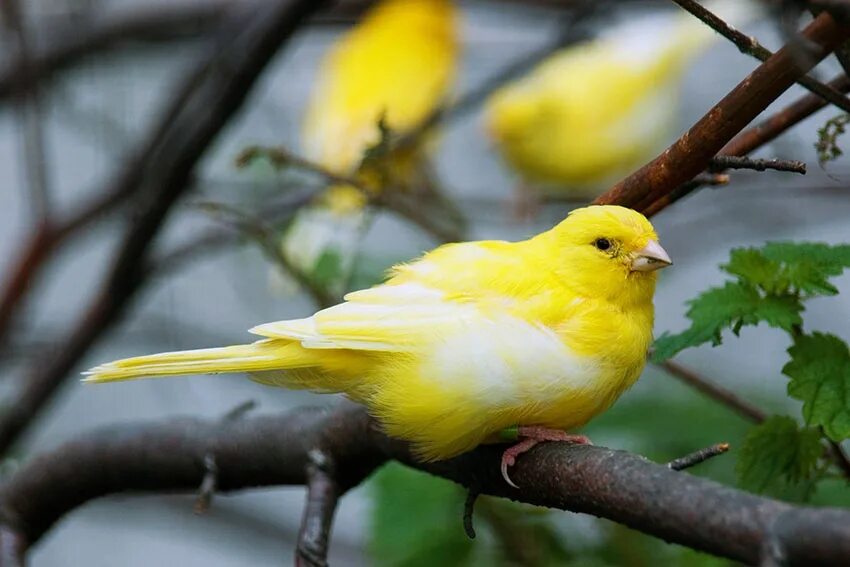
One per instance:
(508, 461)
(531, 436)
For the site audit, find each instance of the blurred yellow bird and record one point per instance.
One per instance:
(472, 340)
(593, 112)
(396, 65)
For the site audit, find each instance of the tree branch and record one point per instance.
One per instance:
(322, 497)
(246, 43)
(70, 44)
(274, 450)
(756, 136)
(750, 46)
(692, 153)
(715, 391)
(722, 163)
(698, 457)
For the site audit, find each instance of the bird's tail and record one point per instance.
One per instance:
(261, 356)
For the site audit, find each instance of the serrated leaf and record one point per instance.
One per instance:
(416, 520)
(732, 306)
(751, 265)
(820, 376)
(789, 267)
(778, 452)
(807, 266)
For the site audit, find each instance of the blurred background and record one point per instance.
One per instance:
(94, 113)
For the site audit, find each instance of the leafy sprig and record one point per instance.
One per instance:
(770, 286)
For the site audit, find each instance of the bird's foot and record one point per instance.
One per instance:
(530, 436)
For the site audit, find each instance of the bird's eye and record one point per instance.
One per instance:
(602, 243)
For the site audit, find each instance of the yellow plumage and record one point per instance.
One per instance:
(591, 113)
(470, 339)
(397, 64)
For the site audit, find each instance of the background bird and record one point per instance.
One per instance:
(395, 67)
(591, 113)
(533, 337)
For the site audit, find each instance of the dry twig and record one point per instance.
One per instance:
(692, 152)
(750, 46)
(698, 457)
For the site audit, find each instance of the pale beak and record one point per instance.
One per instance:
(650, 258)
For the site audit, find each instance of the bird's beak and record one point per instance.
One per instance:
(650, 258)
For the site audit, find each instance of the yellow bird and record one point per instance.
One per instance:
(593, 112)
(396, 65)
(471, 340)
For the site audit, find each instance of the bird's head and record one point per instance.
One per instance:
(610, 251)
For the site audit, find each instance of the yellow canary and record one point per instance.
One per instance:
(473, 339)
(593, 112)
(395, 66)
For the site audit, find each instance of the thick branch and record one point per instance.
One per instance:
(692, 153)
(274, 450)
(756, 136)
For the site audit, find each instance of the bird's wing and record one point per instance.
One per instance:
(384, 318)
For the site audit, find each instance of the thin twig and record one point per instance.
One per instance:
(756, 136)
(722, 162)
(742, 407)
(698, 457)
(388, 198)
(692, 152)
(715, 391)
(254, 227)
(247, 44)
(73, 42)
(218, 238)
(47, 239)
(32, 125)
(750, 46)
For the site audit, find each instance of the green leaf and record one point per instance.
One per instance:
(820, 376)
(776, 453)
(734, 305)
(751, 265)
(328, 268)
(807, 266)
(416, 520)
(790, 268)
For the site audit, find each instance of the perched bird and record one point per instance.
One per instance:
(470, 341)
(593, 112)
(395, 67)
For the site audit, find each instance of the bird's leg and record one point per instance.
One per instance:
(529, 436)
